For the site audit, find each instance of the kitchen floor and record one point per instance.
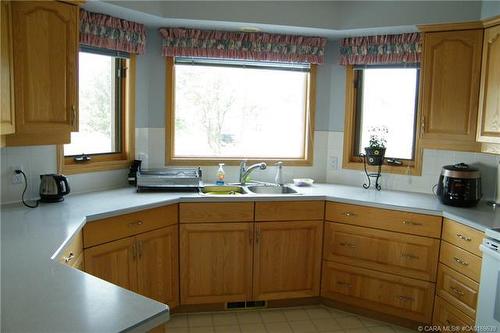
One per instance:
(307, 319)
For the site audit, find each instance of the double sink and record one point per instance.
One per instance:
(248, 189)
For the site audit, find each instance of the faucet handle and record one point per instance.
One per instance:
(279, 164)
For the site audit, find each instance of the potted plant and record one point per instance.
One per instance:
(376, 150)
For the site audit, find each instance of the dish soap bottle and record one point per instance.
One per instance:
(220, 175)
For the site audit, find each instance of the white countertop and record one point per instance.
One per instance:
(40, 295)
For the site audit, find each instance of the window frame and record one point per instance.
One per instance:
(110, 161)
(170, 127)
(350, 160)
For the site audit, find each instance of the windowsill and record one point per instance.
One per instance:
(413, 170)
(86, 167)
(215, 162)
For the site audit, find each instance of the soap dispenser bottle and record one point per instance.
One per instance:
(220, 175)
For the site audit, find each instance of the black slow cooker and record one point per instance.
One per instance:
(459, 185)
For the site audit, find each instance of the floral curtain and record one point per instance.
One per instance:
(382, 49)
(242, 45)
(108, 32)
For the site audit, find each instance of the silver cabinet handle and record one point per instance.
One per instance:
(139, 249)
(457, 291)
(69, 257)
(406, 222)
(344, 284)
(348, 214)
(464, 238)
(409, 256)
(351, 245)
(460, 261)
(406, 298)
(136, 223)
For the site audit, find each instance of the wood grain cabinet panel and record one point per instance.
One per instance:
(386, 219)
(446, 315)
(458, 290)
(287, 259)
(72, 254)
(114, 262)
(7, 117)
(489, 97)
(200, 212)
(391, 252)
(377, 291)
(216, 262)
(460, 260)
(451, 68)
(463, 236)
(289, 210)
(121, 226)
(45, 44)
(158, 265)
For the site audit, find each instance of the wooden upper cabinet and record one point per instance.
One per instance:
(287, 259)
(7, 118)
(450, 89)
(158, 265)
(45, 44)
(489, 98)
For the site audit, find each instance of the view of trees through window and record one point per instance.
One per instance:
(97, 113)
(388, 100)
(239, 112)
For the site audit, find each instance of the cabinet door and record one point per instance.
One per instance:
(287, 259)
(489, 107)
(450, 89)
(45, 41)
(114, 262)
(7, 107)
(216, 262)
(158, 265)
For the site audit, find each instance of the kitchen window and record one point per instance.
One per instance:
(103, 137)
(228, 110)
(383, 97)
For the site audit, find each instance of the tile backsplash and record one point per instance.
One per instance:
(327, 167)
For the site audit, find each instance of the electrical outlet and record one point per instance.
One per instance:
(17, 178)
(334, 162)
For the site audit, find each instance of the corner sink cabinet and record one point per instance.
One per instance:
(397, 265)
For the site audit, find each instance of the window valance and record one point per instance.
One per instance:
(108, 32)
(381, 49)
(242, 45)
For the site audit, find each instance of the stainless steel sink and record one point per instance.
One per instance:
(260, 189)
(222, 190)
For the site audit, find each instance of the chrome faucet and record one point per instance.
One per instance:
(244, 172)
(278, 179)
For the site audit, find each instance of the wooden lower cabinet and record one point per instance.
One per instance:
(391, 252)
(146, 263)
(216, 262)
(447, 315)
(158, 264)
(398, 296)
(114, 262)
(287, 259)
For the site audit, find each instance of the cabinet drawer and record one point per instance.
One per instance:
(72, 251)
(116, 227)
(382, 292)
(458, 290)
(289, 210)
(391, 252)
(392, 220)
(462, 236)
(446, 314)
(460, 260)
(199, 212)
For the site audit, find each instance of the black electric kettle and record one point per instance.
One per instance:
(53, 187)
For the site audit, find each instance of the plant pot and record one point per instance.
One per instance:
(375, 156)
